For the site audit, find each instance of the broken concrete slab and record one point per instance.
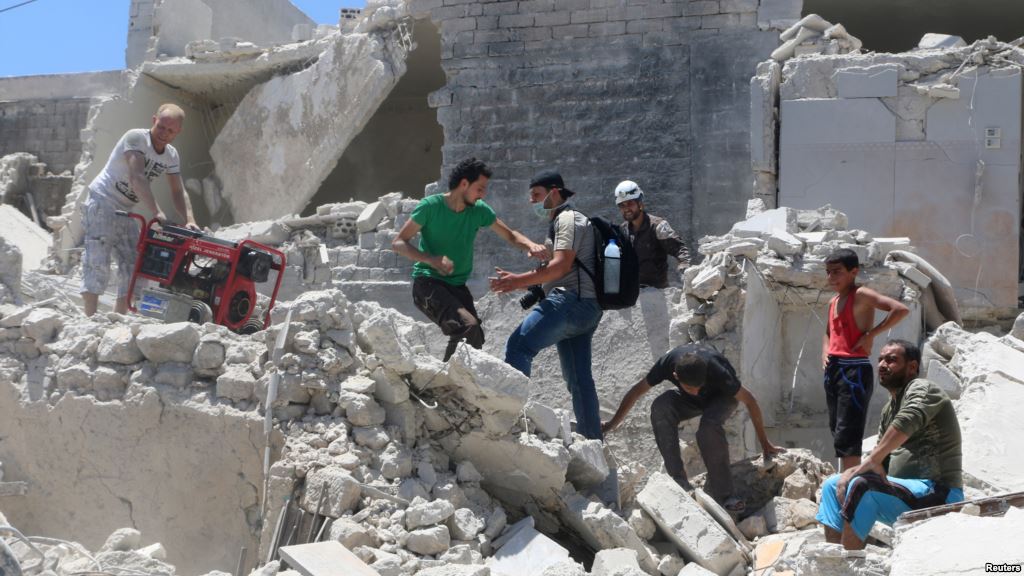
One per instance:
(324, 559)
(527, 551)
(764, 223)
(934, 41)
(491, 385)
(986, 410)
(304, 122)
(370, 217)
(603, 529)
(700, 538)
(168, 342)
(517, 466)
(546, 419)
(343, 491)
(958, 544)
(430, 541)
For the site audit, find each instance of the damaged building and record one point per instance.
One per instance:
(768, 132)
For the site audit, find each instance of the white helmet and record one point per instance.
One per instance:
(628, 190)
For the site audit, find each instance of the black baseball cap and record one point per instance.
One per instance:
(551, 179)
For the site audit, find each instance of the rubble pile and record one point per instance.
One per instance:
(815, 35)
(985, 373)
(122, 553)
(784, 250)
(348, 242)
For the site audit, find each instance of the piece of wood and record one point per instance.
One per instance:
(13, 488)
(325, 559)
(990, 506)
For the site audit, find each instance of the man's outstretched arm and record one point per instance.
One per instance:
(519, 240)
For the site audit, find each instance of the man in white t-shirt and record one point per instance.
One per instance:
(139, 157)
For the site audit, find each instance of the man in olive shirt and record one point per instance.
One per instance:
(916, 464)
(447, 224)
(652, 237)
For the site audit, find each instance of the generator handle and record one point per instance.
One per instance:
(143, 225)
(274, 266)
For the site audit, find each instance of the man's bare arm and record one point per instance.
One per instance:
(631, 397)
(181, 202)
(757, 419)
(557, 268)
(517, 239)
(401, 245)
(896, 311)
(140, 185)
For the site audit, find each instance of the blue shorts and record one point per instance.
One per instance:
(870, 499)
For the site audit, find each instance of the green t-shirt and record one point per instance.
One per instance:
(932, 451)
(448, 233)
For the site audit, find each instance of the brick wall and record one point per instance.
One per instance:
(49, 129)
(650, 90)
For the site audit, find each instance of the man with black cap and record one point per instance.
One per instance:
(447, 224)
(569, 314)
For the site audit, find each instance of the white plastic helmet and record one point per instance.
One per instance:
(628, 190)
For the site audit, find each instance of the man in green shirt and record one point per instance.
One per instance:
(447, 224)
(916, 464)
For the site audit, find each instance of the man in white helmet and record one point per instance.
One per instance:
(652, 237)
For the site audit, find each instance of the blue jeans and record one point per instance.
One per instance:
(568, 322)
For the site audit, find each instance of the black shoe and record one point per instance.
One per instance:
(684, 483)
(450, 350)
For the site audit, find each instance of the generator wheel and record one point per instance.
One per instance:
(201, 312)
(253, 325)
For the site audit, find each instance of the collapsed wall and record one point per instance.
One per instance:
(115, 422)
(932, 135)
(306, 120)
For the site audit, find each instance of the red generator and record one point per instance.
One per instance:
(202, 278)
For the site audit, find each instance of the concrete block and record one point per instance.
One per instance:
(753, 526)
(697, 535)
(587, 464)
(867, 82)
(237, 383)
(546, 420)
(784, 243)
(693, 569)
(764, 223)
(423, 513)
(910, 272)
(342, 491)
(616, 562)
(118, 345)
(168, 342)
(370, 217)
(933, 41)
(464, 524)
(707, 282)
(429, 541)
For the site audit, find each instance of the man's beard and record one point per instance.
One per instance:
(894, 381)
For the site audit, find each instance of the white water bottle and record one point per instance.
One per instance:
(612, 267)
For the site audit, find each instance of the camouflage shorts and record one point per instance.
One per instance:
(107, 234)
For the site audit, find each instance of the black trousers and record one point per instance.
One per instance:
(450, 307)
(672, 407)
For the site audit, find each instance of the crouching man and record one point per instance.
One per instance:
(706, 385)
(916, 464)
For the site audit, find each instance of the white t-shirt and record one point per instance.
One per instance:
(113, 183)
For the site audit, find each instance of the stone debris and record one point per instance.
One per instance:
(815, 35)
(699, 537)
(958, 544)
(616, 562)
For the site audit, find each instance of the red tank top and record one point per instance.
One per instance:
(843, 332)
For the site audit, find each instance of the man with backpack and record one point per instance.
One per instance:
(569, 313)
(652, 237)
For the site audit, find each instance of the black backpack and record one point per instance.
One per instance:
(629, 270)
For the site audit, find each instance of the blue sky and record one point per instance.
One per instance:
(60, 36)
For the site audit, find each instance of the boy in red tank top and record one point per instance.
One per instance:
(849, 334)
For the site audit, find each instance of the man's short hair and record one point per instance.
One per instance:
(911, 352)
(845, 256)
(471, 169)
(691, 370)
(172, 110)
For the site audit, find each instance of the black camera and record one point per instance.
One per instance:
(533, 295)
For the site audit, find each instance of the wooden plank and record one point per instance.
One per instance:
(325, 559)
(13, 488)
(990, 506)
